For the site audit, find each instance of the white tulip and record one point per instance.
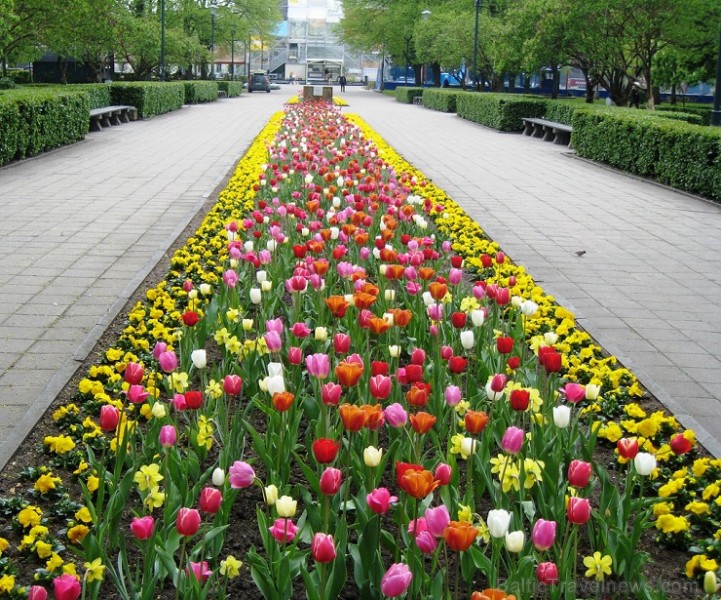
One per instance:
(255, 295)
(561, 416)
(468, 340)
(515, 541)
(206, 289)
(468, 446)
(158, 410)
(218, 477)
(266, 286)
(389, 295)
(477, 317)
(261, 276)
(271, 494)
(321, 334)
(592, 391)
(286, 507)
(529, 308)
(199, 358)
(249, 246)
(394, 351)
(498, 521)
(372, 456)
(645, 463)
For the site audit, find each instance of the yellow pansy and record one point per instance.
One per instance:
(672, 524)
(698, 508)
(54, 563)
(59, 444)
(30, 516)
(7, 583)
(84, 515)
(46, 482)
(77, 533)
(43, 549)
(700, 562)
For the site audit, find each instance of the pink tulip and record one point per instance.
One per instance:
(230, 278)
(318, 365)
(512, 441)
(137, 394)
(547, 573)
(241, 475)
(330, 394)
(443, 473)
(380, 387)
(426, 542)
(200, 571)
(275, 325)
(188, 521)
(158, 349)
(168, 436)
(168, 361)
(380, 500)
(544, 534)
(574, 392)
(418, 356)
(210, 500)
(37, 592)
(133, 373)
(300, 330)
(416, 526)
(437, 519)
(452, 395)
(109, 417)
(142, 527)
(330, 481)
(498, 382)
(396, 415)
(273, 341)
(283, 530)
(455, 276)
(341, 343)
(396, 580)
(579, 473)
(323, 548)
(232, 385)
(67, 587)
(578, 510)
(295, 355)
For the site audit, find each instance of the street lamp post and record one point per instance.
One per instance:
(232, 54)
(477, 4)
(212, 41)
(716, 112)
(424, 72)
(162, 40)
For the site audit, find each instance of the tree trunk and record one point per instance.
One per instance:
(526, 84)
(589, 87)
(651, 102)
(418, 73)
(436, 70)
(673, 93)
(554, 83)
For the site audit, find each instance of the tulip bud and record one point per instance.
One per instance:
(199, 359)
(468, 341)
(547, 573)
(394, 351)
(323, 548)
(188, 521)
(579, 472)
(168, 436)
(158, 410)
(218, 477)
(321, 334)
(210, 500)
(330, 481)
(709, 583)
(142, 527)
(37, 592)
(271, 494)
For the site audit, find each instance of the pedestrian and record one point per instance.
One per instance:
(635, 97)
(342, 81)
(292, 79)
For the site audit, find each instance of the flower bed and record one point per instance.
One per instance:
(340, 345)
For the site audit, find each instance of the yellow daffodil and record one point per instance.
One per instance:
(94, 571)
(148, 477)
(598, 566)
(230, 567)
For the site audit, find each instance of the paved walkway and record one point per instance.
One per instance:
(82, 226)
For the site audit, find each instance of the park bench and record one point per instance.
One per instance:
(418, 100)
(111, 115)
(558, 133)
(222, 94)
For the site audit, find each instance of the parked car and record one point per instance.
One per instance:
(259, 83)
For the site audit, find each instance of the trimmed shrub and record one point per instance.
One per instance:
(703, 114)
(98, 93)
(149, 97)
(406, 94)
(440, 99)
(499, 111)
(7, 84)
(19, 76)
(681, 155)
(232, 88)
(36, 120)
(200, 91)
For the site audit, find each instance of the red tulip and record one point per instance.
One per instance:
(190, 318)
(325, 450)
(380, 387)
(504, 345)
(457, 364)
(547, 572)
(520, 399)
(133, 373)
(458, 320)
(330, 481)
(627, 447)
(193, 399)
(680, 444)
(232, 385)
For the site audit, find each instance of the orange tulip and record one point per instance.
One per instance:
(459, 535)
(475, 421)
(315, 246)
(362, 300)
(375, 415)
(422, 422)
(325, 234)
(283, 401)
(337, 306)
(321, 266)
(358, 217)
(418, 483)
(408, 209)
(387, 235)
(354, 417)
(390, 222)
(361, 238)
(401, 317)
(378, 325)
(389, 256)
(312, 205)
(369, 288)
(394, 271)
(438, 290)
(425, 273)
(417, 396)
(492, 594)
(348, 373)
(348, 229)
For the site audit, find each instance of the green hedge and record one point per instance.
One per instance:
(36, 120)
(200, 91)
(232, 88)
(99, 93)
(150, 98)
(19, 76)
(499, 111)
(702, 111)
(684, 156)
(440, 99)
(561, 111)
(406, 94)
